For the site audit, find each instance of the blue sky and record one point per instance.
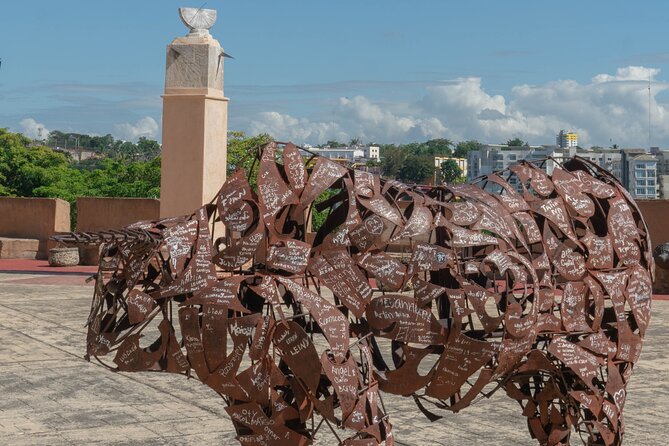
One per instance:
(384, 71)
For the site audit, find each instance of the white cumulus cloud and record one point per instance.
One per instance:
(631, 73)
(284, 127)
(610, 108)
(357, 117)
(146, 127)
(33, 129)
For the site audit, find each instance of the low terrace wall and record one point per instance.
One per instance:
(34, 218)
(98, 213)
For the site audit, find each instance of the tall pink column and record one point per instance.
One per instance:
(195, 123)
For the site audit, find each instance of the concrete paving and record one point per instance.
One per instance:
(50, 395)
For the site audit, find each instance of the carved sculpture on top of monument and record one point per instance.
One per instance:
(194, 60)
(534, 283)
(198, 20)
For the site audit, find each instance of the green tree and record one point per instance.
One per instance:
(516, 142)
(392, 160)
(436, 147)
(100, 143)
(242, 150)
(147, 149)
(41, 172)
(464, 147)
(332, 143)
(123, 149)
(23, 168)
(56, 138)
(417, 168)
(450, 171)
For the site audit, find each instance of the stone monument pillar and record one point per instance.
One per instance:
(195, 118)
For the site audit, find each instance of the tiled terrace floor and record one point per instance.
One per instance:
(50, 395)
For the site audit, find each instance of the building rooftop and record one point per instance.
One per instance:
(644, 157)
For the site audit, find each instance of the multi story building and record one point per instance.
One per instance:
(373, 153)
(663, 183)
(349, 154)
(609, 159)
(645, 175)
(566, 139)
(494, 157)
(662, 160)
(642, 176)
(662, 157)
(626, 157)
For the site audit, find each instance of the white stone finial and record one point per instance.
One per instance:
(198, 20)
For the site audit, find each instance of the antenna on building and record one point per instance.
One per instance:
(649, 111)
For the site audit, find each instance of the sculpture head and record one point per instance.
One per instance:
(661, 255)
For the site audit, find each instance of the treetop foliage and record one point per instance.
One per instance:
(414, 162)
(451, 172)
(143, 150)
(123, 169)
(464, 147)
(126, 169)
(39, 171)
(517, 142)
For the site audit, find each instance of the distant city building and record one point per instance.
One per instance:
(628, 177)
(642, 176)
(373, 152)
(662, 157)
(78, 154)
(607, 158)
(495, 157)
(355, 154)
(645, 175)
(662, 160)
(663, 183)
(566, 139)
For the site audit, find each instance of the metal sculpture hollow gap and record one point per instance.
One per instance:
(535, 284)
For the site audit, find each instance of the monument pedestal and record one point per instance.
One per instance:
(195, 125)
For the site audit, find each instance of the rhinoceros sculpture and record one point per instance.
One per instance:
(535, 280)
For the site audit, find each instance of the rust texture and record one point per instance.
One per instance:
(533, 284)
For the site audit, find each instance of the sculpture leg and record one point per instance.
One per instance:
(545, 404)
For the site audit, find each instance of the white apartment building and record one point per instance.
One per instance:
(496, 157)
(608, 159)
(349, 154)
(642, 177)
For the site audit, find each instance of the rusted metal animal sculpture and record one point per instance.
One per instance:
(532, 282)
